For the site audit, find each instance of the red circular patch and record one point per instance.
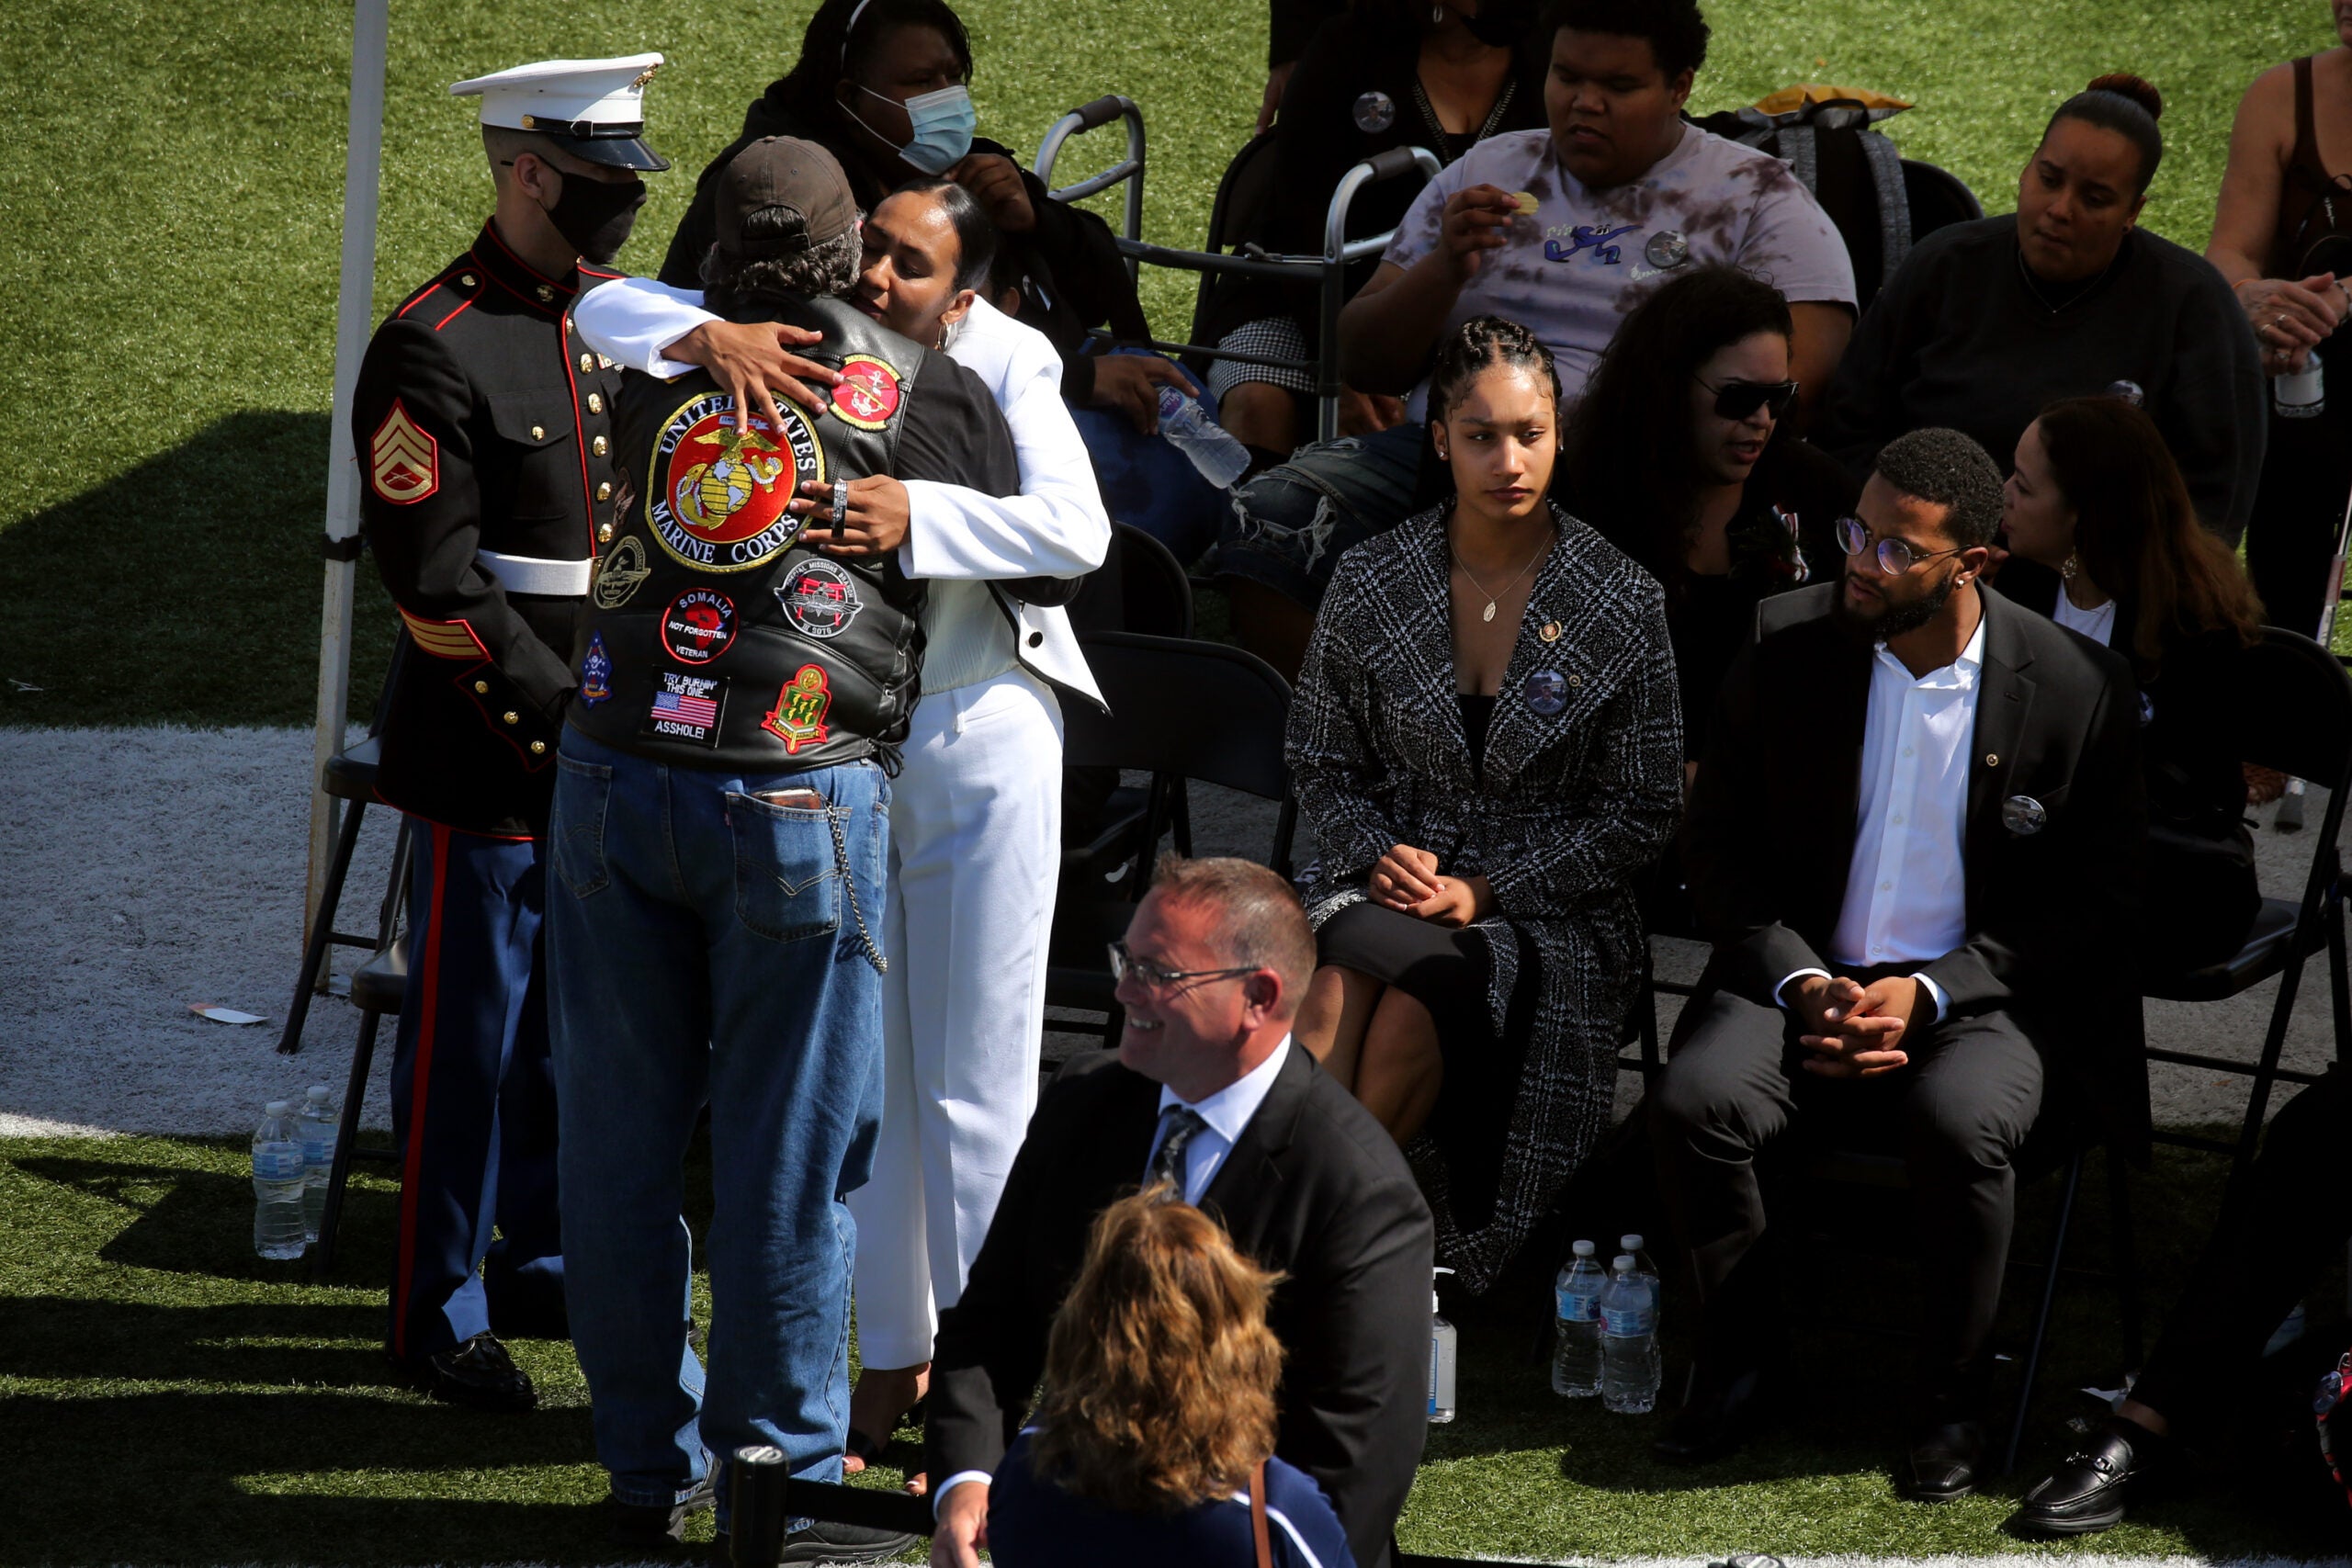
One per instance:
(867, 393)
(698, 625)
(725, 489)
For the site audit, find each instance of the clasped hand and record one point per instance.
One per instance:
(877, 520)
(1855, 1031)
(1405, 879)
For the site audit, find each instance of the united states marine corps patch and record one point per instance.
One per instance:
(798, 717)
(717, 488)
(867, 393)
(405, 463)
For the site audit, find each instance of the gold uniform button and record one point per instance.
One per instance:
(538, 748)
(605, 533)
(1992, 758)
(604, 491)
(595, 402)
(587, 363)
(467, 279)
(537, 433)
(545, 293)
(511, 716)
(481, 688)
(599, 447)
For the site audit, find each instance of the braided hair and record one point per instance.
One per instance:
(1481, 342)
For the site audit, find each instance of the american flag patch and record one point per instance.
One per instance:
(687, 707)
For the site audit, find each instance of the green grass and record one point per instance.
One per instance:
(170, 231)
(172, 1398)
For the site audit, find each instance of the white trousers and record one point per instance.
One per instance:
(974, 854)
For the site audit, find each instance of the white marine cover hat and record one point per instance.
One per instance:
(592, 109)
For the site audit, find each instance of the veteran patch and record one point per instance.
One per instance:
(717, 488)
(623, 571)
(595, 672)
(867, 394)
(819, 599)
(798, 717)
(404, 463)
(698, 625)
(687, 707)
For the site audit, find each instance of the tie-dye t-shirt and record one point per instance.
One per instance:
(1586, 257)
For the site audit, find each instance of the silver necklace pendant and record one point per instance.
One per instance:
(1489, 613)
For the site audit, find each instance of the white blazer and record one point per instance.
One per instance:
(1055, 528)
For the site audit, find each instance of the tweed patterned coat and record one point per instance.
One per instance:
(1567, 808)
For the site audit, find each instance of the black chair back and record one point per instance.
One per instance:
(2293, 710)
(1155, 596)
(1242, 194)
(1939, 199)
(1183, 709)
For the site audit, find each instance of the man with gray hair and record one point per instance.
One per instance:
(1208, 1093)
(1915, 843)
(721, 838)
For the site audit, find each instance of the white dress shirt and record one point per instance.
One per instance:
(1906, 889)
(1227, 1113)
(1055, 528)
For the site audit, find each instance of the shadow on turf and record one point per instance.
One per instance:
(210, 550)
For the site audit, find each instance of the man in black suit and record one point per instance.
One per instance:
(1207, 1091)
(1915, 843)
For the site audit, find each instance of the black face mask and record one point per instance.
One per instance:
(594, 215)
(1501, 24)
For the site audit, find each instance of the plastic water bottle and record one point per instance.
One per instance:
(1219, 456)
(2300, 394)
(1444, 1358)
(318, 1128)
(277, 1184)
(1630, 1368)
(1645, 1266)
(1575, 1295)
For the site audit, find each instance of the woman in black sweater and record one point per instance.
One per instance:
(1986, 323)
(1384, 74)
(2095, 497)
(1679, 454)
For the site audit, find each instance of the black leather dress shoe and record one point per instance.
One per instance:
(654, 1525)
(1943, 1462)
(2087, 1493)
(1719, 1416)
(478, 1374)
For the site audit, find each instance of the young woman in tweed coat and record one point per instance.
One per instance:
(1488, 742)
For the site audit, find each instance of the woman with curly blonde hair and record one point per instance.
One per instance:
(1155, 1438)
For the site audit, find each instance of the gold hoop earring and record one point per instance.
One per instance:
(2072, 567)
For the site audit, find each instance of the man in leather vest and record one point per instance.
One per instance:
(720, 833)
(484, 436)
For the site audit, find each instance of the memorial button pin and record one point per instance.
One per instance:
(1666, 249)
(1374, 112)
(2023, 814)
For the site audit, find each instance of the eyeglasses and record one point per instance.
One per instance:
(1894, 556)
(1737, 399)
(1154, 977)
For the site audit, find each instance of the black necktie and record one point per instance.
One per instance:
(1168, 1160)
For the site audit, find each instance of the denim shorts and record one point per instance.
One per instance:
(1286, 528)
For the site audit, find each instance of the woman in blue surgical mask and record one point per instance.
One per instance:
(883, 85)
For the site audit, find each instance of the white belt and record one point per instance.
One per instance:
(528, 574)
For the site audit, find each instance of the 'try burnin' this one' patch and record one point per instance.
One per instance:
(716, 490)
(687, 707)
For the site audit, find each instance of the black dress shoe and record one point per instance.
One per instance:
(1943, 1462)
(654, 1525)
(478, 1374)
(1715, 1420)
(2086, 1494)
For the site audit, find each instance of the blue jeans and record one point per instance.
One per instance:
(1287, 528)
(1146, 483)
(706, 945)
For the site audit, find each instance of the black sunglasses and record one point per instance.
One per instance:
(1737, 399)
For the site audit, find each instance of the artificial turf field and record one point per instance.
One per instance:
(170, 200)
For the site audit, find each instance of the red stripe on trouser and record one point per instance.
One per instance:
(421, 1077)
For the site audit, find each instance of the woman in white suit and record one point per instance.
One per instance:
(975, 814)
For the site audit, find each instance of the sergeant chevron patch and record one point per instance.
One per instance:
(446, 639)
(406, 461)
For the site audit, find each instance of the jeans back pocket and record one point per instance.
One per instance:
(787, 868)
(583, 791)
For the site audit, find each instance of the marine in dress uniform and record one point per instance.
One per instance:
(486, 433)
(720, 832)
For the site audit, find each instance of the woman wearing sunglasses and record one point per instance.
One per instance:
(1679, 454)
(1484, 740)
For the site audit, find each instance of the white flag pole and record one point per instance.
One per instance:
(354, 317)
